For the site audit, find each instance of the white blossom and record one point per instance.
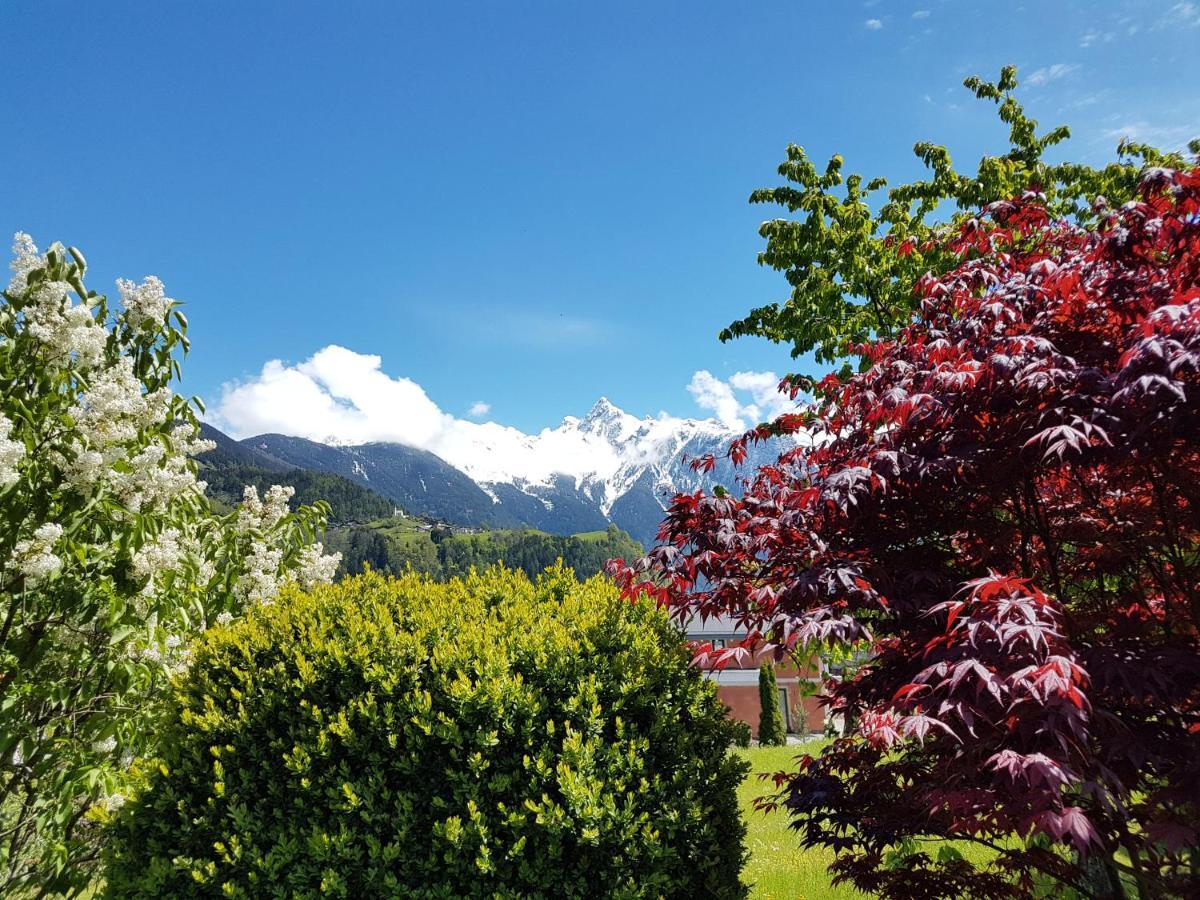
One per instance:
(25, 259)
(186, 440)
(163, 554)
(64, 328)
(11, 453)
(84, 470)
(314, 567)
(34, 556)
(260, 579)
(146, 304)
(114, 801)
(224, 617)
(255, 514)
(108, 745)
(154, 478)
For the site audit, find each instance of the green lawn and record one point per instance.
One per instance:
(778, 867)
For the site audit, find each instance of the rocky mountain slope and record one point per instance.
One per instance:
(623, 470)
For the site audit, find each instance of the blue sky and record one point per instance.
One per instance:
(526, 205)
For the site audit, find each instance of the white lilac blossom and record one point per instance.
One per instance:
(85, 470)
(11, 453)
(186, 441)
(114, 408)
(108, 745)
(64, 328)
(260, 578)
(154, 480)
(255, 514)
(34, 556)
(163, 554)
(146, 304)
(25, 259)
(314, 567)
(114, 454)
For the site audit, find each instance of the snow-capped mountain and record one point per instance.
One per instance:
(608, 466)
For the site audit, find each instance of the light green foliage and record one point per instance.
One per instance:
(771, 729)
(110, 559)
(486, 737)
(852, 261)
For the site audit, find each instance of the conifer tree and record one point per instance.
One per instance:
(771, 731)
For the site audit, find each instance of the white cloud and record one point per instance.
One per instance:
(1167, 137)
(1090, 38)
(340, 396)
(1186, 15)
(873, 24)
(478, 409)
(921, 14)
(720, 398)
(1047, 74)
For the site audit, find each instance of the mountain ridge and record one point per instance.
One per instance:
(626, 469)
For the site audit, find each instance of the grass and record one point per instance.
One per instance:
(778, 867)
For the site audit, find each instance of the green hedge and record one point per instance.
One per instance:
(488, 737)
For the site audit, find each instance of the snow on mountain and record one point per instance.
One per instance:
(617, 454)
(608, 466)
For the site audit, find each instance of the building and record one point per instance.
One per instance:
(737, 683)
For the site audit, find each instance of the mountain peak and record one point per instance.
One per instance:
(603, 408)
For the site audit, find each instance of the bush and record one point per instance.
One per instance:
(771, 732)
(485, 737)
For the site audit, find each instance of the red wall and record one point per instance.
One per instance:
(806, 715)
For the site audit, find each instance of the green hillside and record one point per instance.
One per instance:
(365, 529)
(391, 545)
(349, 502)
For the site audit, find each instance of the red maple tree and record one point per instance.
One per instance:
(1005, 508)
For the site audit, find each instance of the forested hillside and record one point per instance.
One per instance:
(367, 529)
(393, 545)
(349, 502)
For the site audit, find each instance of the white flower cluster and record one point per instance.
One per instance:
(25, 259)
(11, 453)
(64, 328)
(155, 477)
(261, 576)
(263, 515)
(315, 567)
(163, 554)
(113, 409)
(35, 556)
(108, 417)
(146, 304)
(259, 582)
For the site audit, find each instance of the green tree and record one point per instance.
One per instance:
(486, 737)
(852, 262)
(771, 730)
(110, 556)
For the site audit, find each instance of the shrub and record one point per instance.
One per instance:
(771, 732)
(485, 737)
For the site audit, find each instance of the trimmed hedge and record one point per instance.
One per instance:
(487, 737)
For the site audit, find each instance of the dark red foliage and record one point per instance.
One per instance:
(1006, 507)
